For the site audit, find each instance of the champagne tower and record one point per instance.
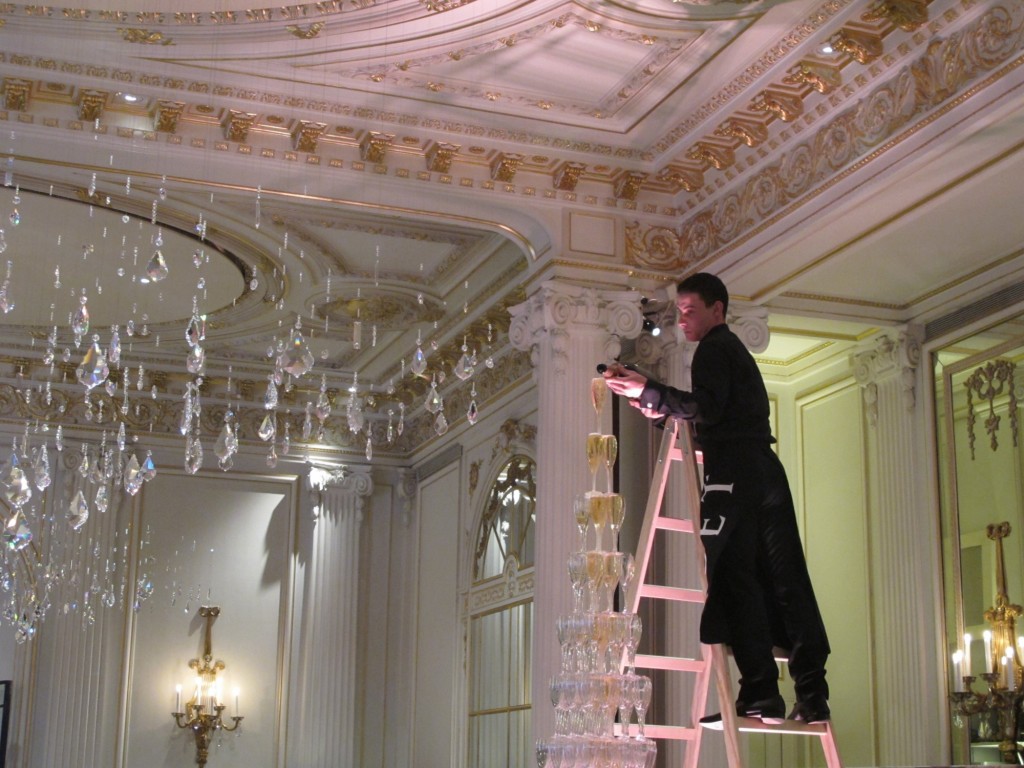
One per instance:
(597, 680)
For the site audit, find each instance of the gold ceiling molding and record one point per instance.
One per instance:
(237, 125)
(307, 33)
(980, 47)
(194, 18)
(908, 15)
(567, 176)
(505, 165)
(373, 147)
(306, 135)
(16, 93)
(991, 382)
(439, 156)
(91, 104)
(166, 115)
(144, 36)
(627, 186)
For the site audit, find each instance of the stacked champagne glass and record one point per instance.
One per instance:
(597, 680)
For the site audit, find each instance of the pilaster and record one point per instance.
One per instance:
(903, 535)
(567, 329)
(322, 727)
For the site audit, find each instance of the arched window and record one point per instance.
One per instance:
(501, 621)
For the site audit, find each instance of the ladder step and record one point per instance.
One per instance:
(672, 663)
(790, 727)
(678, 594)
(674, 524)
(673, 732)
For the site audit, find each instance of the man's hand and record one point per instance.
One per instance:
(650, 413)
(622, 381)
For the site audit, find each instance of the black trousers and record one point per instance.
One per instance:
(759, 591)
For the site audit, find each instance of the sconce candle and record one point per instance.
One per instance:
(958, 677)
(177, 698)
(967, 654)
(236, 701)
(987, 635)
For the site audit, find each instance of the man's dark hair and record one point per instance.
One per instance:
(708, 287)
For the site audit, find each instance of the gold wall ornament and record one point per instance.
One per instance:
(308, 33)
(690, 179)
(990, 382)
(237, 124)
(714, 155)
(91, 104)
(16, 93)
(863, 47)
(908, 15)
(505, 165)
(306, 135)
(144, 36)
(374, 146)
(627, 186)
(440, 155)
(166, 115)
(750, 132)
(785, 106)
(821, 77)
(654, 247)
(568, 175)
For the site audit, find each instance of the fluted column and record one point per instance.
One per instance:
(568, 330)
(322, 729)
(904, 571)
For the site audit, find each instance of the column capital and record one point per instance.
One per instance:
(892, 354)
(751, 325)
(338, 482)
(558, 308)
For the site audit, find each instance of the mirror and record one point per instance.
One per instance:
(979, 391)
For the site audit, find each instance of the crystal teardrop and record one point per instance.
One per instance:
(225, 446)
(101, 500)
(270, 396)
(440, 423)
(93, 370)
(156, 269)
(464, 367)
(419, 361)
(148, 467)
(195, 331)
(41, 469)
(16, 534)
(307, 423)
(272, 458)
(114, 348)
(434, 402)
(78, 511)
(196, 360)
(193, 455)
(132, 480)
(369, 449)
(472, 414)
(296, 358)
(80, 320)
(16, 488)
(268, 429)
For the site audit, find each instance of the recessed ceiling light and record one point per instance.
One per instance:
(131, 98)
(827, 49)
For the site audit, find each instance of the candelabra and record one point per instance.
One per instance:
(204, 712)
(1003, 674)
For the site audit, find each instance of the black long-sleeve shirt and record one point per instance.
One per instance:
(728, 402)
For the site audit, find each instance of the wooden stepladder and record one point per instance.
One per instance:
(677, 448)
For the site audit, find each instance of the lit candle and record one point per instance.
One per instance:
(958, 678)
(177, 698)
(1002, 673)
(987, 635)
(197, 697)
(236, 702)
(1011, 672)
(967, 654)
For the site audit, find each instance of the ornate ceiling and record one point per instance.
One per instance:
(408, 168)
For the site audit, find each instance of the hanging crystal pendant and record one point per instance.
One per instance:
(286, 443)
(122, 436)
(401, 419)
(369, 447)
(80, 319)
(78, 511)
(132, 480)
(101, 500)
(390, 434)
(270, 396)
(193, 455)
(3, 242)
(419, 361)
(307, 422)
(268, 428)
(156, 269)
(114, 348)
(356, 418)
(226, 444)
(472, 414)
(195, 362)
(15, 485)
(58, 438)
(434, 402)
(195, 331)
(6, 305)
(148, 467)
(41, 468)
(272, 457)
(296, 358)
(440, 423)
(16, 534)
(93, 370)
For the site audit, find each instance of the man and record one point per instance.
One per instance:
(759, 591)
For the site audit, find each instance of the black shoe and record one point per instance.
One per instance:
(813, 709)
(771, 710)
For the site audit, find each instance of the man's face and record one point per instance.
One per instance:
(695, 317)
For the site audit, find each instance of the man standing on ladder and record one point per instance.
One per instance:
(759, 591)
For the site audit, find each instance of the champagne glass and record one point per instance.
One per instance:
(598, 393)
(595, 576)
(625, 704)
(641, 700)
(581, 511)
(612, 571)
(616, 515)
(577, 577)
(595, 454)
(609, 451)
(626, 578)
(599, 517)
(542, 753)
(634, 631)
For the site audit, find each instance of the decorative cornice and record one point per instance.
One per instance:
(751, 325)
(893, 355)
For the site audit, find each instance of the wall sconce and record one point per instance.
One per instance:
(654, 313)
(203, 712)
